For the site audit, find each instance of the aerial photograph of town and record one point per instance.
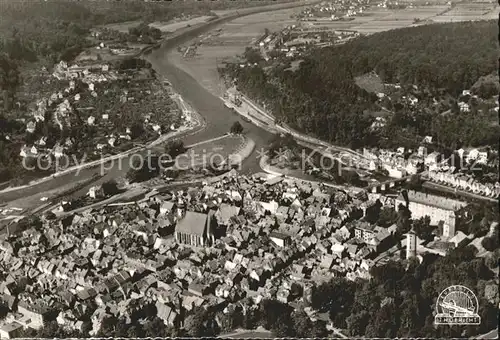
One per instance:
(249, 169)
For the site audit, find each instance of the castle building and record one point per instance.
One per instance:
(439, 209)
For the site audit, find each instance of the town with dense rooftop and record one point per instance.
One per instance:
(248, 170)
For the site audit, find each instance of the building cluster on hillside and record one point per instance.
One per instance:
(436, 167)
(60, 106)
(234, 237)
(294, 40)
(391, 4)
(334, 10)
(79, 103)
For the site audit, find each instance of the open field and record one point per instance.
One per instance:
(169, 26)
(123, 26)
(251, 335)
(377, 19)
(234, 36)
(216, 150)
(248, 333)
(370, 82)
(173, 26)
(232, 39)
(387, 19)
(471, 11)
(34, 200)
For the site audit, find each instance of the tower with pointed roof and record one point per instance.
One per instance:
(411, 244)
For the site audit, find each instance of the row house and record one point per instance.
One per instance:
(464, 182)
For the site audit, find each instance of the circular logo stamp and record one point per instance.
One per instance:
(457, 305)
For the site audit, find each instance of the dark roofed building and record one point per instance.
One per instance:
(195, 229)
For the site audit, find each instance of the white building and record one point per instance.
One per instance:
(30, 127)
(280, 239)
(58, 151)
(432, 158)
(482, 157)
(411, 244)
(395, 171)
(439, 209)
(96, 192)
(464, 107)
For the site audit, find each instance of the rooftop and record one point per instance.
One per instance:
(192, 223)
(433, 200)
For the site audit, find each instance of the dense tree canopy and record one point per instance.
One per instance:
(321, 96)
(9, 78)
(400, 298)
(236, 128)
(143, 168)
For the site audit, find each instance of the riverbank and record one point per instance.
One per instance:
(194, 123)
(266, 167)
(217, 118)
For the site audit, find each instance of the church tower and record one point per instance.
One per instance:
(411, 244)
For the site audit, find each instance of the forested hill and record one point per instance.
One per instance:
(452, 56)
(322, 98)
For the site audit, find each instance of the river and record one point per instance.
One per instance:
(218, 118)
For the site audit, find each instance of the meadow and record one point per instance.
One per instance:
(215, 150)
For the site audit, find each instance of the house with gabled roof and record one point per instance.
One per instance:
(167, 207)
(167, 314)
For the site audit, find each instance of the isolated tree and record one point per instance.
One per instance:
(252, 55)
(423, 227)
(387, 217)
(49, 215)
(199, 323)
(490, 243)
(492, 261)
(110, 187)
(236, 128)
(133, 175)
(350, 177)
(174, 148)
(415, 183)
(144, 171)
(283, 142)
(136, 130)
(403, 221)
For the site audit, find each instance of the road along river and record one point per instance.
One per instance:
(218, 118)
